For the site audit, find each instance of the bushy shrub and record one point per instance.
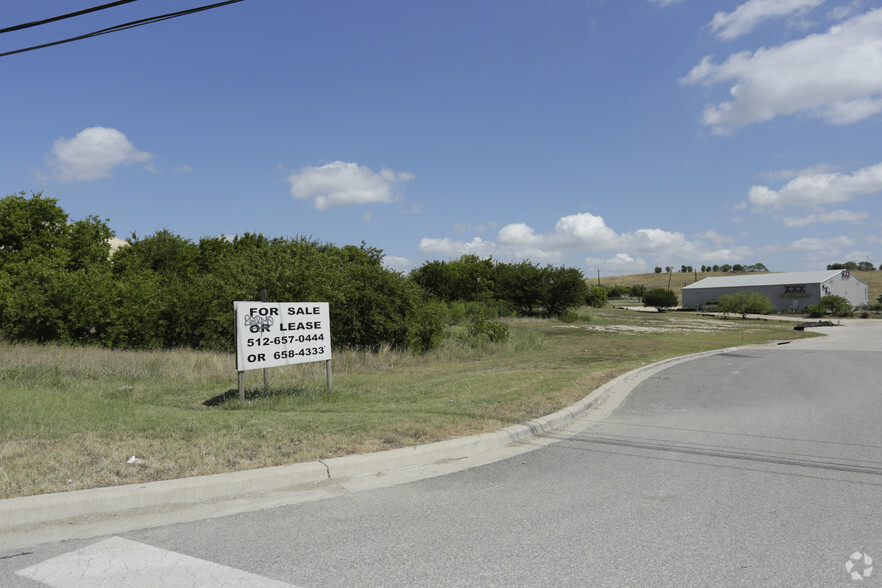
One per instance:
(596, 297)
(660, 298)
(480, 331)
(745, 303)
(618, 291)
(836, 305)
(58, 283)
(816, 311)
(514, 288)
(571, 316)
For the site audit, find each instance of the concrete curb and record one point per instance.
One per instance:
(47, 508)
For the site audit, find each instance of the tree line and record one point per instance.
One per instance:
(522, 288)
(860, 266)
(59, 282)
(725, 268)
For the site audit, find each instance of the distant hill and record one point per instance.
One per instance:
(679, 279)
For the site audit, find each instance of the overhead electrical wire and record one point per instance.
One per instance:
(37, 23)
(124, 26)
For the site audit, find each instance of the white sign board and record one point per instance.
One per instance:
(270, 334)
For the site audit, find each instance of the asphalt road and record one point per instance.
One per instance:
(761, 466)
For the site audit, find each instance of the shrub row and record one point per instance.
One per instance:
(58, 282)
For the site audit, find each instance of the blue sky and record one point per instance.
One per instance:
(607, 135)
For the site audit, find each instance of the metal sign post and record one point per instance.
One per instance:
(265, 380)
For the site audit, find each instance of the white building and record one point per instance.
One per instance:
(794, 290)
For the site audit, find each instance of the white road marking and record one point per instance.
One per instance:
(119, 562)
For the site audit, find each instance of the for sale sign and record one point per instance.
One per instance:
(269, 334)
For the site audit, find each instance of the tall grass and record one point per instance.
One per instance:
(72, 417)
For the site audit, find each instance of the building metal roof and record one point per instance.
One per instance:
(781, 279)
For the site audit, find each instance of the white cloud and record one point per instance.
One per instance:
(835, 76)
(586, 233)
(857, 256)
(93, 154)
(447, 247)
(731, 25)
(620, 263)
(787, 174)
(656, 241)
(715, 237)
(820, 188)
(843, 12)
(398, 264)
(519, 235)
(846, 216)
(816, 244)
(342, 183)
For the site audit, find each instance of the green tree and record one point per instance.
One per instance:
(462, 279)
(521, 285)
(565, 289)
(836, 305)
(638, 290)
(848, 265)
(30, 227)
(54, 274)
(745, 303)
(378, 307)
(660, 298)
(618, 291)
(596, 297)
(36, 226)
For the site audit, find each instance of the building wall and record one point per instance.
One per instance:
(786, 296)
(852, 289)
(791, 296)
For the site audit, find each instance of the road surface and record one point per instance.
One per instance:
(760, 466)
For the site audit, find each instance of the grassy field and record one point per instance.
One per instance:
(71, 418)
(678, 280)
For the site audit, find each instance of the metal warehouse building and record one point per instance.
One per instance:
(787, 291)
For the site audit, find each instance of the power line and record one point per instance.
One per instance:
(37, 23)
(124, 26)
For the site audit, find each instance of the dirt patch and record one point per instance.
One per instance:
(673, 326)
